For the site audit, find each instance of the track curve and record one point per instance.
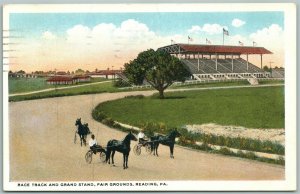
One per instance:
(42, 148)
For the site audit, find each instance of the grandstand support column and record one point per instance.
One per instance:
(216, 62)
(247, 62)
(232, 62)
(198, 62)
(261, 61)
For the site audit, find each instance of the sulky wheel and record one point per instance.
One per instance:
(137, 150)
(148, 148)
(102, 156)
(89, 156)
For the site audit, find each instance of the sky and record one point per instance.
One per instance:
(68, 41)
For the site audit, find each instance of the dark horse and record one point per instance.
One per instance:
(168, 140)
(82, 130)
(120, 146)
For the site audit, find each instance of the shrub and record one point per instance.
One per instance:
(150, 128)
(108, 121)
(281, 161)
(239, 143)
(250, 155)
(98, 115)
(225, 151)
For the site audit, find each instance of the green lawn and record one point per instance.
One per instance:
(91, 89)
(17, 85)
(248, 107)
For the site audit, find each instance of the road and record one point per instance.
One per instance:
(42, 148)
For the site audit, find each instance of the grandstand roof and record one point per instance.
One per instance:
(213, 49)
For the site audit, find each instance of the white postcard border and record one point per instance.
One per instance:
(289, 183)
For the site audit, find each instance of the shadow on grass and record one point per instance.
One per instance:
(168, 97)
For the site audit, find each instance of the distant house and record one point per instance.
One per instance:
(108, 74)
(60, 80)
(64, 80)
(81, 78)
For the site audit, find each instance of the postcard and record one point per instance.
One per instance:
(149, 97)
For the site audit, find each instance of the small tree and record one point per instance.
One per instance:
(79, 72)
(158, 68)
(266, 68)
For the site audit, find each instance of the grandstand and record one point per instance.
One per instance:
(277, 72)
(212, 62)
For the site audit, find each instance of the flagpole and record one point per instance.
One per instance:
(223, 37)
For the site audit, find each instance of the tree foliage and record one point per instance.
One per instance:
(158, 68)
(266, 68)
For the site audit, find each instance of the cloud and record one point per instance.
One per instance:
(194, 29)
(237, 23)
(107, 44)
(48, 35)
(273, 32)
(101, 46)
(78, 34)
(235, 39)
(271, 37)
(210, 29)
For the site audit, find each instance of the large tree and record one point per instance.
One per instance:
(158, 68)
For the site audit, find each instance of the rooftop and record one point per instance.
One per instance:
(213, 49)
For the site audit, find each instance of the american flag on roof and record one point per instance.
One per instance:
(225, 32)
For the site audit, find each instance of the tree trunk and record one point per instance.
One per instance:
(161, 94)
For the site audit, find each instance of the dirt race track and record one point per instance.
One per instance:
(42, 149)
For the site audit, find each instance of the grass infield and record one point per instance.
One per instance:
(248, 107)
(20, 84)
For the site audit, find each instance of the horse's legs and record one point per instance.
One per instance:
(171, 151)
(153, 148)
(127, 160)
(156, 148)
(84, 140)
(107, 156)
(112, 157)
(124, 160)
(80, 140)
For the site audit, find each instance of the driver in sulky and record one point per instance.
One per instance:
(142, 137)
(93, 144)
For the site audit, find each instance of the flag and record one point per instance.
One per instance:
(172, 42)
(225, 32)
(208, 41)
(190, 39)
(254, 43)
(241, 44)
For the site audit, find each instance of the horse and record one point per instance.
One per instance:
(168, 140)
(82, 130)
(119, 146)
